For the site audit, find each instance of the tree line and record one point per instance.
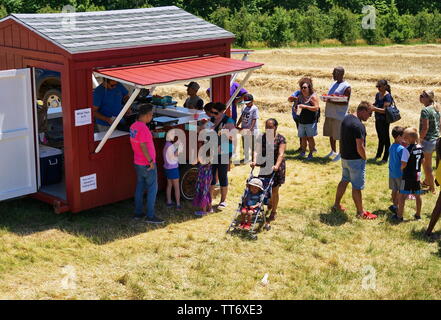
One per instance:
(290, 22)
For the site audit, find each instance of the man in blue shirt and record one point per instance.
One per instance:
(108, 99)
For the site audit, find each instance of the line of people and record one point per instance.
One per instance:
(411, 150)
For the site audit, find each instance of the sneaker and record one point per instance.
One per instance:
(154, 220)
(393, 209)
(417, 217)
(331, 154)
(302, 154)
(222, 205)
(396, 218)
(337, 158)
(169, 205)
(310, 157)
(178, 207)
(200, 213)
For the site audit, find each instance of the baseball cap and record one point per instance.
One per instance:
(193, 85)
(247, 98)
(257, 183)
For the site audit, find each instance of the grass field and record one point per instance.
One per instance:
(311, 253)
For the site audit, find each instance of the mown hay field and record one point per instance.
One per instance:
(311, 253)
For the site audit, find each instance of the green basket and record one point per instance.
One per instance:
(162, 101)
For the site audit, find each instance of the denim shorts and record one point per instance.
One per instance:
(172, 174)
(428, 146)
(354, 171)
(307, 130)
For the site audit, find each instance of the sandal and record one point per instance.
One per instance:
(367, 216)
(222, 205)
(424, 185)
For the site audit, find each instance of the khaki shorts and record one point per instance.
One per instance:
(332, 128)
(395, 184)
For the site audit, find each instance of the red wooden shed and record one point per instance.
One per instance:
(77, 45)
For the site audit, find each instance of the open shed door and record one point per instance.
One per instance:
(17, 137)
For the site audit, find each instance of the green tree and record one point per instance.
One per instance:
(220, 17)
(245, 26)
(3, 12)
(344, 25)
(424, 26)
(403, 30)
(437, 24)
(277, 29)
(315, 25)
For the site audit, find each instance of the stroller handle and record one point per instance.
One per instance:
(252, 172)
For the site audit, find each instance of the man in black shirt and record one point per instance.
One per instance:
(353, 154)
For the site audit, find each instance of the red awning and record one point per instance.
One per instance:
(161, 73)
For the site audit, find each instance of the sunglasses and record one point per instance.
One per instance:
(216, 113)
(305, 87)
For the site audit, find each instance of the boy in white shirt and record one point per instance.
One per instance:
(249, 126)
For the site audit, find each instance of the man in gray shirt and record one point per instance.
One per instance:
(193, 101)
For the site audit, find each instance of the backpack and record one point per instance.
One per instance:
(392, 113)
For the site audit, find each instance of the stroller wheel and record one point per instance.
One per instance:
(253, 237)
(267, 227)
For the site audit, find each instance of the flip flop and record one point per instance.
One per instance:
(367, 216)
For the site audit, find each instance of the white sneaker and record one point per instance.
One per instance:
(337, 158)
(331, 154)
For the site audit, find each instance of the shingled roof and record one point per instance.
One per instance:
(118, 29)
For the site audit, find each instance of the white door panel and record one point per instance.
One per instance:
(17, 140)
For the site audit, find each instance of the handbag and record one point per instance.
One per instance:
(392, 113)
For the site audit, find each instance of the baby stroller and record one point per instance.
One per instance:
(258, 219)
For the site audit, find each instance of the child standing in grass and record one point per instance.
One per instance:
(411, 161)
(395, 173)
(171, 166)
(202, 198)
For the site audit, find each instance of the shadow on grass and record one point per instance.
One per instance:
(375, 162)
(315, 160)
(420, 235)
(99, 226)
(334, 218)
